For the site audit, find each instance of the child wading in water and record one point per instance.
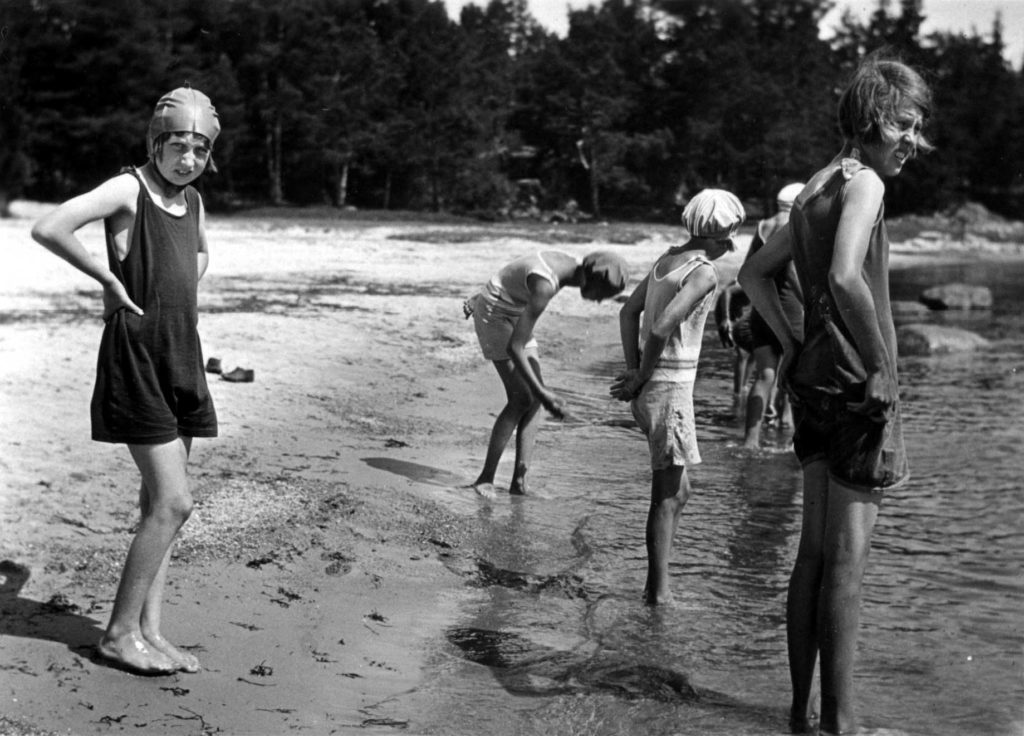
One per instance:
(661, 365)
(505, 313)
(764, 400)
(842, 377)
(150, 390)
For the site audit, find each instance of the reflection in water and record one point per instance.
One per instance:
(524, 667)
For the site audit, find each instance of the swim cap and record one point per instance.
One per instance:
(609, 266)
(714, 213)
(184, 109)
(787, 195)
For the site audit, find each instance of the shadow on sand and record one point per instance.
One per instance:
(417, 472)
(57, 620)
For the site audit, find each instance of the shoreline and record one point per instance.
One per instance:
(331, 533)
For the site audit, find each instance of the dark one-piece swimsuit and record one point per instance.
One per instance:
(150, 382)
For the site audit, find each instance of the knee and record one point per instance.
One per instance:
(175, 508)
(669, 490)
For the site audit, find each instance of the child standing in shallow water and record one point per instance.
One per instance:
(842, 377)
(504, 314)
(150, 391)
(661, 365)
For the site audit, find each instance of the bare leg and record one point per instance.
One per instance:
(783, 407)
(168, 505)
(150, 623)
(519, 401)
(850, 520)
(741, 368)
(802, 598)
(670, 488)
(765, 361)
(526, 439)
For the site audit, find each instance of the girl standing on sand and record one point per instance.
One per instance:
(150, 391)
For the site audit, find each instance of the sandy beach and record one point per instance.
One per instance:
(323, 550)
(323, 557)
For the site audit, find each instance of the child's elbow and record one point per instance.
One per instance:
(842, 280)
(629, 311)
(43, 232)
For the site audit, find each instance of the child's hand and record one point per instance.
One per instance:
(115, 297)
(627, 385)
(725, 334)
(880, 394)
(554, 404)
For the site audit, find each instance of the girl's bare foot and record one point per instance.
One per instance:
(658, 599)
(185, 662)
(806, 722)
(486, 490)
(518, 487)
(134, 654)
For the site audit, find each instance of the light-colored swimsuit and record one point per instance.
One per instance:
(498, 306)
(664, 408)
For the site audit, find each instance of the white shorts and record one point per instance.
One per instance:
(494, 330)
(664, 411)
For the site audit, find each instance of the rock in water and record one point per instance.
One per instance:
(957, 296)
(922, 339)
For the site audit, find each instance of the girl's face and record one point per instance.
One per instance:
(183, 158)
(898, 141)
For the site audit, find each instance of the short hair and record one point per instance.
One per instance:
(608, 267)
(158, 147)
(877, 89)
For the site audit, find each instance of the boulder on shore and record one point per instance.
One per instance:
(957, 296)
(927, 339)
(906, 311)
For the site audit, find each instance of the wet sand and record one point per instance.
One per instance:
(322, 562)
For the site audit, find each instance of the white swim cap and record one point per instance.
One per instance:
(714, 213)
(184, 109)
(787, 195)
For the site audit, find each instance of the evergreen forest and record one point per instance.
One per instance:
(393, 105)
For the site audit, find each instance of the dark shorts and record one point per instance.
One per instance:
(861, 454)
(742, 336)
(144, 396)
(761, 335)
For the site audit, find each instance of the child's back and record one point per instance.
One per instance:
(673, 300)
(678, 361)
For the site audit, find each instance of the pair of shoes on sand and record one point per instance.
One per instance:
(238, 375)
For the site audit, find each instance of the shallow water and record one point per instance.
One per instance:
(553, 638)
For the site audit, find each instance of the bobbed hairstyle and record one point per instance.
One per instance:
(608, 267)
(869, 104)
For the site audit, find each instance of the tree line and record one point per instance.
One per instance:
(391, 104)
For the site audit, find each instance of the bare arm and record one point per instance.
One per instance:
(723, 314)
(541, 293)
(854, 300)
(757, 277)
(697, 285)
(56, 232)
(203, 255)
(629, 324)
